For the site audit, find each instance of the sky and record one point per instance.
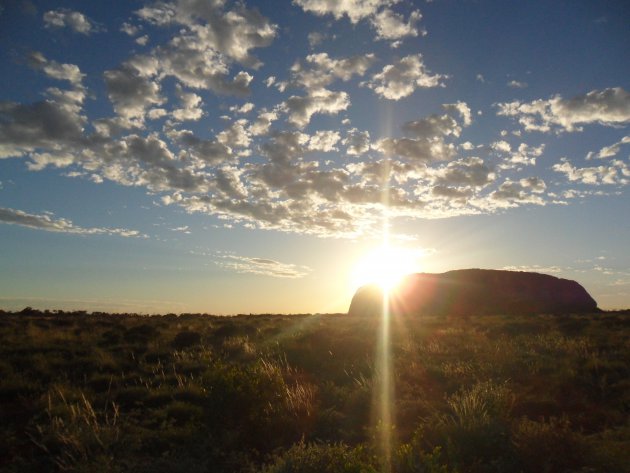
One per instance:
(247, 156)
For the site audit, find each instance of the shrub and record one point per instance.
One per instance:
(548, 446)
(185, 339)
(322, 458)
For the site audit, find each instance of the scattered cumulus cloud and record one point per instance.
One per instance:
(609, 151)
(355, 10)
(515, 84)
(614, 172)
(291, 163)
(390, 25)
(76, 21)
(403, 77)
(608, 107)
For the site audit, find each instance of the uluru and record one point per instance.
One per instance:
(476, 292)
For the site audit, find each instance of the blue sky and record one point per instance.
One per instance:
(235, 157)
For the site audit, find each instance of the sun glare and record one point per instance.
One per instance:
(385, 266)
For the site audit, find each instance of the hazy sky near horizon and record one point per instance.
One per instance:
(239, 156)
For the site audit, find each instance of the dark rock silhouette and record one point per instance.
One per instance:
(476, 292)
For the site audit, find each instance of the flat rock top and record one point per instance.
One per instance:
(477, 291)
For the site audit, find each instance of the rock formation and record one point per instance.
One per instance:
(477, 292)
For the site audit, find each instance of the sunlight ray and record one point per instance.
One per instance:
(383, 355)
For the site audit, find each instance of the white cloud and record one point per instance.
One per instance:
(402, 78)
(262, 124)
(129, 29)
(514, 84)
(321, 70)
(428, 143)
(55, 70)
(236, 135)
(355, 10)
(535, 269)
(76, 21)
(48, 223)
(391, 26)
(231, 33)
(190, 109)
(608, 107)
(244, 109)
(261, 266)
(59, 159)
(324, 140)
(302, 108)
(524, 155)
(610, 151)
(614, 172)
(357, 142)
(315, 38)
(525, 191)
(142, 40)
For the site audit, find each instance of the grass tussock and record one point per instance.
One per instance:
(192, 393)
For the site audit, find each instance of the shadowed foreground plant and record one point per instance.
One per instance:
(548, 446)
(77, 437)
(322, 458)
(475, 433)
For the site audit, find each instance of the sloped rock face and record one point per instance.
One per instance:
(477, 292)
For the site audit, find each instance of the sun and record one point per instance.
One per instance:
(385, 266)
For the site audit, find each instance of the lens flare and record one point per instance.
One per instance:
(385, 386)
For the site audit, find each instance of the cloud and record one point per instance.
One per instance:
(324, 140)
(356, 142)
(610, 151)
(607, 107)
(236, 135)
(231, 33)
(614, 172)
(77, 22)
(402, 78)
(535, 269)
(514, 84)
(355, 10)
(244, 109)
(321, 70)
(427, 142)
(261, 266)
(146, 161)
(392, 26)
(183, 229)
(195, 149)
(55, 70)
(302, 108)
(131, 93)
(526, 190)
(190, 109)
(142, 40)
(129, 29)
(49, 223)
(315, 38)
(45, 124)
(467, 172)
(524, 155)
(262, 124)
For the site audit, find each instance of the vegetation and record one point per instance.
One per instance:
(269, 393)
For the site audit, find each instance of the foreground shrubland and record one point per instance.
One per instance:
(117, 393)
